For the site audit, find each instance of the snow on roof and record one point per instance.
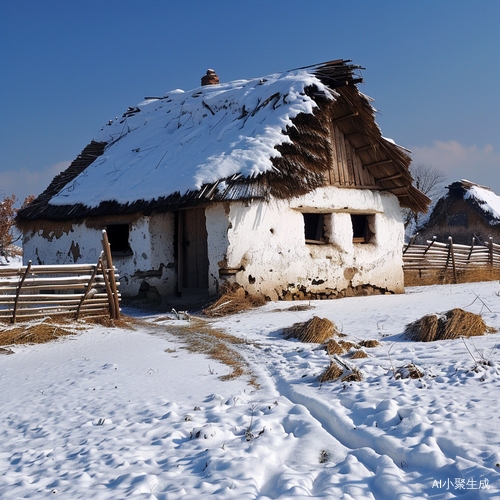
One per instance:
(234, 128)
(486, 199)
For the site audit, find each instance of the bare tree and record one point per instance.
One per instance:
(7, 216)
(427, 179)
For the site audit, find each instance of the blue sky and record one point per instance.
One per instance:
(432, 67)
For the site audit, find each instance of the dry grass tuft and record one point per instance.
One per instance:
(298, 308)
(441, 277)
(369, 343)
(333, 347)
(35, 333)
(347, 346)
(343, 373)
(451, 325)
(233, 299)
(316, 330)
(358, 355)
(333, 372)
(408, 371)
(49, 329)
(199, 336)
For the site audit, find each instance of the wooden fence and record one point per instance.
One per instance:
(451, 257)
(60, 290)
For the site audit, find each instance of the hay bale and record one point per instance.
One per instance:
(233, 299)
(408, 371)
(369, 343)
(450, 325)
(359, 355)
(333, 347)
(316, 330)
(347, 346)
(340, 370)
(333, 372)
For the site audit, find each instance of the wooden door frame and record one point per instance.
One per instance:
(179, 228)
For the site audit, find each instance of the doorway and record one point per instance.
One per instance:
(192, 250)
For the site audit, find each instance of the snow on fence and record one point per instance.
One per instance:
(436, 256)
(60, 290)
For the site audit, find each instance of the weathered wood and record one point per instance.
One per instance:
(389, 178)
(111, 300)
(364, 148)
(376, 163)
(111, 272)
(453, 259)
(26, 272)
(89, 287)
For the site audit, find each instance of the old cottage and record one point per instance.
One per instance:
(283, 184)
(466, 211)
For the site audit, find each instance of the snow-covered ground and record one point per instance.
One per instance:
(119, 413)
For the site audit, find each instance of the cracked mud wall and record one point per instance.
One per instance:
(151, 239)
(267, 242)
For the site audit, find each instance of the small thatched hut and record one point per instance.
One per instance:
(468, 210)
(283, 184)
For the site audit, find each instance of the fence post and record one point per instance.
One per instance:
(430, 244)
(451, 254)
(87, 290)
(471, 248)
(490, 253)
(18, 292)
(412, 239)
(112, 280)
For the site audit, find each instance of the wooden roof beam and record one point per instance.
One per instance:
(390, 178)
(364, 148)
(398, 191)
(376, 163)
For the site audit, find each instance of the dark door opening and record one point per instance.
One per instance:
(192, 250)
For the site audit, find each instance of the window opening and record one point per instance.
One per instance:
(360, 228)
(118, 235)
(314, 229)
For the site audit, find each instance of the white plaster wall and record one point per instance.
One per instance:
(54, 247)
(150, 238)
(218, 225)
(267, 239)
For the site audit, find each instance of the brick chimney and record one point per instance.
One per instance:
(210, 78)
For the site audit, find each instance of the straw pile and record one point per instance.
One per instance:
(340, 370)
(232, 300)
(369, 343)
(316, 330)
(408, 371)
(333, 347)
(451, 325)
(359, 355)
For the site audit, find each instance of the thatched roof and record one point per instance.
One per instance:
(481, 200)
(249, 139)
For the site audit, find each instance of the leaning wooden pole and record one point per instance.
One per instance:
(18, 292)
(111, 271)
(89, 287)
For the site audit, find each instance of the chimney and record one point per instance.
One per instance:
(210, 78)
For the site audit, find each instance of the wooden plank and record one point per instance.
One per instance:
(111, 271)
(376, 164)
(46, 299)
(89, 286)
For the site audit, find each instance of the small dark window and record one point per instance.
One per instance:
(314, 229)
(118, 235)
(360, 228)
